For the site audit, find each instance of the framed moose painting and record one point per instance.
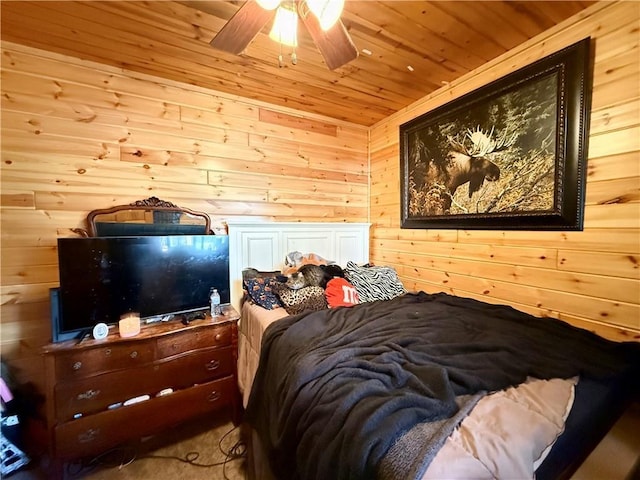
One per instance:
(510, 155)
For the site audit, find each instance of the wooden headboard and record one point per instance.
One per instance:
(265, 245)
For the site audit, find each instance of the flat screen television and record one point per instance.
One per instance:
(102, 278)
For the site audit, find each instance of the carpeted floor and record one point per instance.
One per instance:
(617, 457)
(193, 451)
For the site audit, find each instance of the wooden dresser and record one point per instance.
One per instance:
(88, 383)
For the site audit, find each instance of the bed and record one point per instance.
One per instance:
(422, 386)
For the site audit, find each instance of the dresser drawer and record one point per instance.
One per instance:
(193, 339)
(96, 433)
(91, 361)
(96, 393)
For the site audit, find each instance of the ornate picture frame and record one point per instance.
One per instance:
(510, 155)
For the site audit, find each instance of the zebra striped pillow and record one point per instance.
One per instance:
(374, 283)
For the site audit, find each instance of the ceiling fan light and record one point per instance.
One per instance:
(327, 11)
(268, 4)
(285, 26)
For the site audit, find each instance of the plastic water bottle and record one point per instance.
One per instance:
(215, 303)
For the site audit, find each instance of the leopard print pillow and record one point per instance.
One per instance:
(303, 299)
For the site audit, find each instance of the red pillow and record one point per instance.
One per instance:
(341, 293)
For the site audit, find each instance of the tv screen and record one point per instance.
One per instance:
(102, 278)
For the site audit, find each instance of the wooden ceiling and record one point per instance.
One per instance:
(407, 48)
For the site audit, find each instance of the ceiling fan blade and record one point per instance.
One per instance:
(335, 44)
(243, 27)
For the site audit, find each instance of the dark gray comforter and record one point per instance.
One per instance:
(336, 388)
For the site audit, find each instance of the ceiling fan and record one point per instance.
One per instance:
(327, 31)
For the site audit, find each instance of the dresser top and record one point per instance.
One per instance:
(147, 330)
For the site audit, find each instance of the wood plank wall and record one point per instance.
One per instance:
(588, 278)
(77, 136)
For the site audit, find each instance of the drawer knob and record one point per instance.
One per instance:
(89, 436)
(218, 337)
(212, 365)
(107, 352)
(214, 396)
(88, 395)
(133, 354)
(77, 365)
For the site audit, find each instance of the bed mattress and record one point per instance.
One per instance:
(253, 323)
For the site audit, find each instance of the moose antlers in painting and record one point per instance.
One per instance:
(481, 143)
